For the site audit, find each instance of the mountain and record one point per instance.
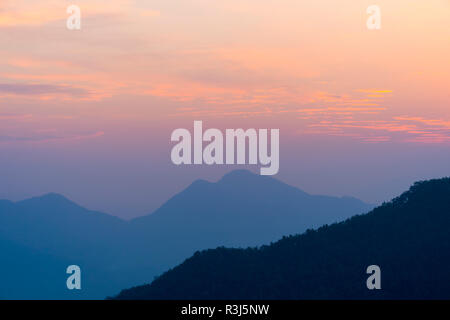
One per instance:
(25, 272)
(408, 238)
(239, 210)
(46, 234)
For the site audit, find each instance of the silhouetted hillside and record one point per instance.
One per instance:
(409, 238)
(242, 209)
(239, 210)
(25, 273)
(40, 237)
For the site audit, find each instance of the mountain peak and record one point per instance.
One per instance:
(53, 196)
(52, 199)
(239, 173)
(237, 176)
(247, 180)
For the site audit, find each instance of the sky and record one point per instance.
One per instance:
(88, 113)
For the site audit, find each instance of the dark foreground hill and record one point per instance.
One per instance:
(408, 238)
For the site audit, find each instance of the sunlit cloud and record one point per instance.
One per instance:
(40, 89)
(44, 136)
(401, 129)
(15, 13)
(443, 124)
(15, 117)
(374, 91)
(287, 67)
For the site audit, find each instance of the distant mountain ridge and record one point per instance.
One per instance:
(242, 201)
(241, 209)
(50, 233)
(408, 238)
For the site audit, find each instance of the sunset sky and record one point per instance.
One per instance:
(88, 113)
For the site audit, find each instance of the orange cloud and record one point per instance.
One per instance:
(37, 13)
(374, 91)
(45, 136)
(401, 128)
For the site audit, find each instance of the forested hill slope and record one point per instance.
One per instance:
(408, 238)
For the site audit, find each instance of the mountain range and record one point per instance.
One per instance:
(408, 239)
(40, 237)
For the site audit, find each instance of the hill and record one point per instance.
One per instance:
(239, 210)
(40, 237)
(409, 238)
